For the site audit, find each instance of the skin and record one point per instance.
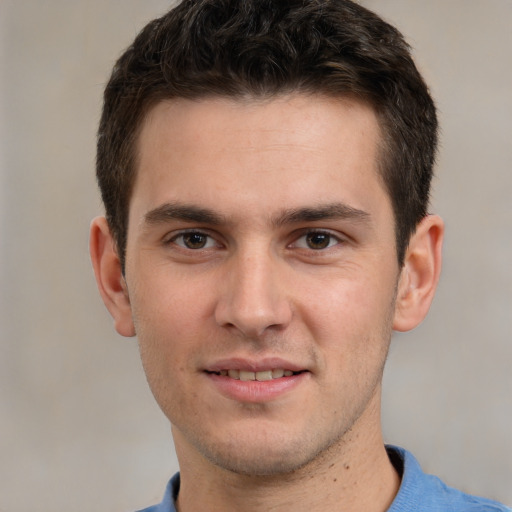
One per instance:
(262, 230)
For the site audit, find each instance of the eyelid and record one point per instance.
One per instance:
(170, 238)
(338, 237)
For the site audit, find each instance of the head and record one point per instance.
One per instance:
(265, 167)
(262, 49)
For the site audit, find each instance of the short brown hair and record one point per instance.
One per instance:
(262, 48)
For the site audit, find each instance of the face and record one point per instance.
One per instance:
(261, 272)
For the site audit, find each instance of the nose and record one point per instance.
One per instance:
(253, 296)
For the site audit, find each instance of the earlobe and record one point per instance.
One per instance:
(420, 274)
(109, 277)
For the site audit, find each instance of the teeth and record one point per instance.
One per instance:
(275, 373)
(262, 376)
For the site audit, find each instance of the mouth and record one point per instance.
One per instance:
(260, 376)
(248, 380)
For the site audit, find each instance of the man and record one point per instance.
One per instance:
(265, 168)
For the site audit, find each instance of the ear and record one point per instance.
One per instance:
(109, 278)
(420, 274)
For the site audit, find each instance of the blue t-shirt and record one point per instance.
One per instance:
(418, 491)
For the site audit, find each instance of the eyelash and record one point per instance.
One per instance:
(211, 242)
(190, 233)
(318, 232)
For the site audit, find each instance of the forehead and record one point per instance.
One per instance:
(265, 151)
(298, 114)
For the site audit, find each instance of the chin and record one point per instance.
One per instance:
(260, 465)
(266, 457)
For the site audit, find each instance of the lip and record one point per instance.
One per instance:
(249, 365)
(255, 391)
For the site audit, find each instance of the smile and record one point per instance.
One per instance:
(255, 385)
(261, 376)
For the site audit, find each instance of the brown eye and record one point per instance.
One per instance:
(194, 240)
(318, 241)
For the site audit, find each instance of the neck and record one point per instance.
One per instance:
(353, 475)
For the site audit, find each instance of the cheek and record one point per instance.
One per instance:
(171, 305)
(165, 346)
(173, 318)
(348, 304)
(351, 324)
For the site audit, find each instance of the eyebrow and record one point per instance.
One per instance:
(334, 211)
(178, 211)
(191, 213)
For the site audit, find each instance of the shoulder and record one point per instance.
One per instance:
(427, 493)
(168, 502)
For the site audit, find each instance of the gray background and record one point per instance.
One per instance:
(78, 428)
